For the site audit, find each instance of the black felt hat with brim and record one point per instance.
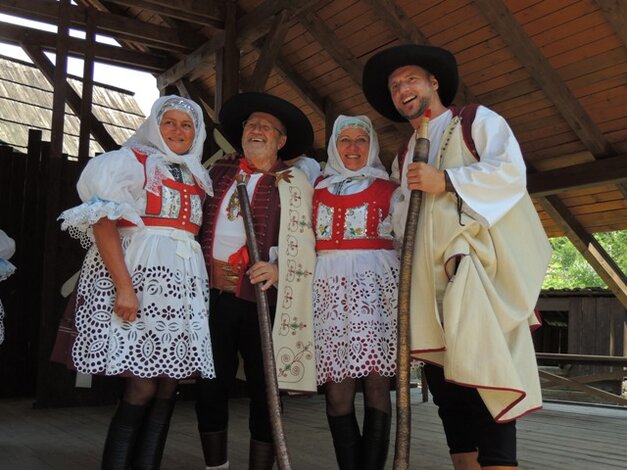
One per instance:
(297, 127)
(439, 62)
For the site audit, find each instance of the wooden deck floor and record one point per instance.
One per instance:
(560, 437)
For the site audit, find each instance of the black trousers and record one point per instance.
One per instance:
(234, 328)
(468, 425)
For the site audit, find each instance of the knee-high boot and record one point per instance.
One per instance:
(261, 455)
(214, 448)
(154, 432)
(375, 440)
(346, 438)
(122, 435)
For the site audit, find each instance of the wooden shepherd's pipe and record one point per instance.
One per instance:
(265, 331)
(403, 409)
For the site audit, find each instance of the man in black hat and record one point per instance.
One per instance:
(267, 130)
(480, 256)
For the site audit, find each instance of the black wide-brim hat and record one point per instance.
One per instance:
(239, 107)
(439, 62)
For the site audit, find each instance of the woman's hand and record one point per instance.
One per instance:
(265, 272)
(126, 303)
(110, 249)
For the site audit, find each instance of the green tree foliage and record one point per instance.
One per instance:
(568, 269)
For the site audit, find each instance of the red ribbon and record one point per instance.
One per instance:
(239, 259)
(247, 167)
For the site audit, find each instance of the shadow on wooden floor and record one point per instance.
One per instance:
(560, 437)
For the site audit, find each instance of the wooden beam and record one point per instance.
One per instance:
(16, 35)
(588, 246)
(250, 27)
(269, 53)
(193, 11)
(615, 12)
(307, 92)
(227, 65)
(405, 29)
(331, 45)
(59, 82)
(339, 53)
(611, 170)
(199, 93)
(548, 79)
(73, 100)
(87, 91)
(51, 172)
(120, 27)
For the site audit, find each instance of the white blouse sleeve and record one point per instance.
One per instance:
(492, 186)
(7, 249)
(112, 186)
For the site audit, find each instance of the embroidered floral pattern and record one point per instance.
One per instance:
(355, 223)
(324, 223)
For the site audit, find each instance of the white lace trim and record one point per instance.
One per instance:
(78, 220)
(1, 323)
(6, 269)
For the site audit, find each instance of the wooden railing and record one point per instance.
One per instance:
(581, 383)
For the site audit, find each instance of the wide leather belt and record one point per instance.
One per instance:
(224, 277)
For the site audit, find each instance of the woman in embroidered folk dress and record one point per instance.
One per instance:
(142, 296)
(7, 249)
(355, 292)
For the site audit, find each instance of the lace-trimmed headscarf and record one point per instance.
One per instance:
(148, 139)
(335, 171)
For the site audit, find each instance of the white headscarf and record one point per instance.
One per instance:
(148, 139)
(335, 171)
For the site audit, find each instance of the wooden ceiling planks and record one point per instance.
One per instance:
(319, 63)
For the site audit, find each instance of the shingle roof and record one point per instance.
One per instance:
(26, 103)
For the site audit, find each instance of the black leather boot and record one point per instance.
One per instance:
(375, 440)
(214, 448)
(122, 435)
(261, 455)
(346, 438)
(154, 432)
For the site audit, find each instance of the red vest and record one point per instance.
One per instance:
(153, 216)
(372, 204)
(266, 208)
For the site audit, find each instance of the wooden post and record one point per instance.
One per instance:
(60, 80)
(49, 288)
(88, 88)
(227, 59)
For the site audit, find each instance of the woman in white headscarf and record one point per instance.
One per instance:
(142, 296)
(7, 249)
(355, 291)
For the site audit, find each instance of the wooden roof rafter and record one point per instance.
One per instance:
(74, 101)
(339, 53)
(268, 53)
(406, 30)
(120, 27)
(544, 74)
(250, 27)
(588, 246)
(580, 122)
(193, 11)
(147, 62)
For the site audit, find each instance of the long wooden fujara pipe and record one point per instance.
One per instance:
(403, 408)
(265, 331)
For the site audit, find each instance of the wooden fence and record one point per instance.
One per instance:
(34, 189)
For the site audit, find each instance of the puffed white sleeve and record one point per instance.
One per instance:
(7, 249)
(309, 166)
(493, 185)
(111, 185)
